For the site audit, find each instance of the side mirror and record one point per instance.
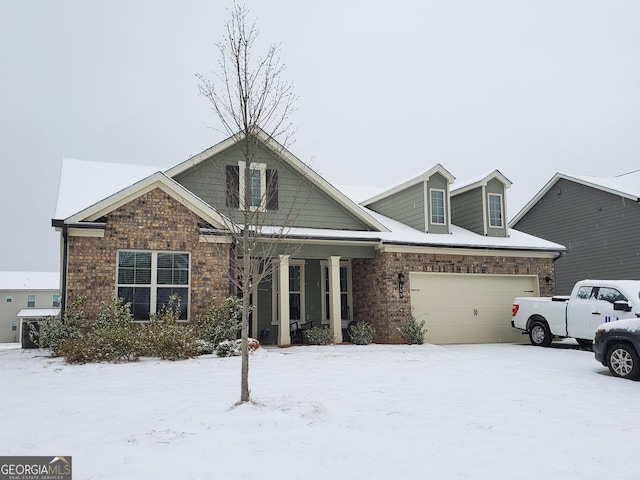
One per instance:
(621, 305)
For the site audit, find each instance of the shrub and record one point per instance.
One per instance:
(220, 322)
(168, 339)
(228, 348)
(361, 333)
(319, 335)
(51, 333)
(412, 330)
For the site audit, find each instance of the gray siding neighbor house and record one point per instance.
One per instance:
(143, 234)
(596, 218)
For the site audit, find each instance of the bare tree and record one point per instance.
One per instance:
(251, 100)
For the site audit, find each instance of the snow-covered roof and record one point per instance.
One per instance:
(626, 185)
(38, 312)
(29, 281)
(480, 180)
(84, 183)
(401, 234)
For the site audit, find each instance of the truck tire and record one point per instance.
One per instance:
(623, 361)
(539, 334)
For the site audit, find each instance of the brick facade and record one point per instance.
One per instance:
(375, 293)
(153, 221)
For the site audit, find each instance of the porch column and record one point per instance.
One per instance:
(335, 315)
(284, 334)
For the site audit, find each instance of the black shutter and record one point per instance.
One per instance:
(233, 186)
(272, 189)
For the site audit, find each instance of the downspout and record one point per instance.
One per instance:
(232, 269)
(63, 270)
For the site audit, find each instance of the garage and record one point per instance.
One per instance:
(469, 308)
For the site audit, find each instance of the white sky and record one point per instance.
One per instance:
(529, 88)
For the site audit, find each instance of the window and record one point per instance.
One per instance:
(345, 293)
(262, 182)
(9, 298)
(296, 292)
(584, 293)
(495, 210)
(437, 207)
(56, 301)
(147, 280)
(610, 295)
(31, 301)
(14, 325)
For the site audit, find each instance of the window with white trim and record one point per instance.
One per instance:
(296, 292)
(262, 182)
(495, 210)
(148, 279)
(345, 292)
(56, 301)
(14, 325)
(31, 301)
(9, 298)
(438, 212)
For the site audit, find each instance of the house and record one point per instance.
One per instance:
(424, 245)
(24, 296)
(595, 218)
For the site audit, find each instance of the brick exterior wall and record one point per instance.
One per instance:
(154, 221)
(375, 293)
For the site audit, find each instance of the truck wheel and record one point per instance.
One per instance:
(539, 334)
(623, 361)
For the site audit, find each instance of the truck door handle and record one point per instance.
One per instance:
(596, 313)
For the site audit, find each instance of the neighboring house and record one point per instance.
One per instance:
(444, 253)
(596, 218)
(26, 295)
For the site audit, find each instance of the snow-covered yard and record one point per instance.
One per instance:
(346, 412)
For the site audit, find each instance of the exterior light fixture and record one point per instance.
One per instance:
(401, 284)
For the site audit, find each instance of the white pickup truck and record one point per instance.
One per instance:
(591, 303)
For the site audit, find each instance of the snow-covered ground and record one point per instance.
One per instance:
(343, 412)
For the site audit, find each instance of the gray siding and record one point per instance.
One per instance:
(407, 206)
(466, 210)
(301, 204)
(600, 230)
(495, 186)
(437, 181)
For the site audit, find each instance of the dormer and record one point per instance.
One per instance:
(480, 204)
(422, 202)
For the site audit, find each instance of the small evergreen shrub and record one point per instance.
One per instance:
(51, 333)
(319, 335)
(361, 333)
(228, 348)
(412, 330)
(222, 321)
(169, 339)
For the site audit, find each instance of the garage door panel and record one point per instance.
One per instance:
(467, 308)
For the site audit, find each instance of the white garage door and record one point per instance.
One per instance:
(466, 308)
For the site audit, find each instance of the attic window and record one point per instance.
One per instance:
(437, 206)
(261, 181)
(495, 210)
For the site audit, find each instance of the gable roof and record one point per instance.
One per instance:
(626, 185)
(84, 183)
(410, 182)
(157, 180)
(294, 162)
(480, 181)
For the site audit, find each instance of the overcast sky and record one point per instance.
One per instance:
(387, 90)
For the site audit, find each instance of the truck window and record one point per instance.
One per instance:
(611, 295)
(584, 293)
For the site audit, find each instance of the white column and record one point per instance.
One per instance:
(284, 334)
(335, 316)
